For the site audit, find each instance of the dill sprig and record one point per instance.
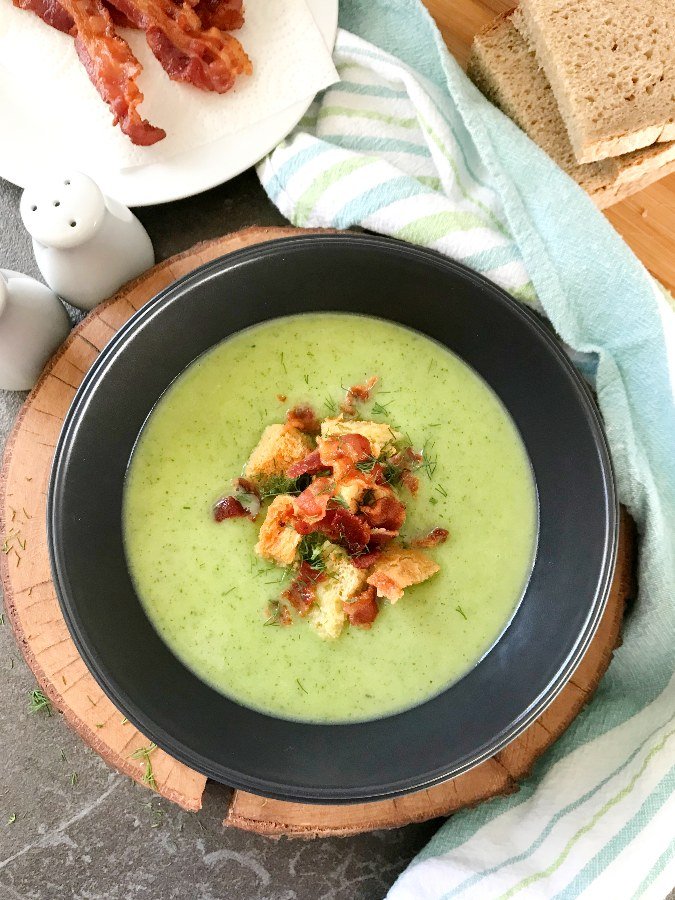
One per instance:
(459, 609)
(381, 409)
(310, 550)
(330, 405)
(144, 753)
(277, 484)
(301, 686)
(39, 701)
(274, 607)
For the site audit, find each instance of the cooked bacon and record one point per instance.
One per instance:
(304, 419)
(358, 393)
(118, 18)
(367, 559)
(410, 481)
(342, 527)
(386, 512)
(111, 67)
(311, 504)
(301, 591)
(229, 508)
(380, 537)
(50, 11)
(227, 15)
(248, 495)
(310, 465)
(209, 59)
(343, 453)
(363, 609)
(435, 537)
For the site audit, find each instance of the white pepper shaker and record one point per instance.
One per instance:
(33, 322)
(86, 245)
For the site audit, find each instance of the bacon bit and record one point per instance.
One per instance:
(410, 481)
(344, 452)
(310, 465)
(112, 68)
(344, 528)
(386, 512)
(435, 537)
(249, 496)
(379, 537)
(301, 592)
(229, 508)
(304, 419)
(282, 398)
(358, 393)
(285, 617)
(312, 503)
(363, 609)
(366, 560)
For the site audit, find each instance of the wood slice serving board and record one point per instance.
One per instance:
(35, 615)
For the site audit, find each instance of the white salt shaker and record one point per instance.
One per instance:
(33, 322)
(86, 245)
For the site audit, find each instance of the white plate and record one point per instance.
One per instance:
(195, 170)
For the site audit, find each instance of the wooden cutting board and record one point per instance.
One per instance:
(646, 220)
(35, 616)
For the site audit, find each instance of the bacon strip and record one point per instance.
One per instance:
(386, 512)
(209, 59)
(310, 465)
(111, 67)
(50, 11)
(227, 15)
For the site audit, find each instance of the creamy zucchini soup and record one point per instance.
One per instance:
(329, 517)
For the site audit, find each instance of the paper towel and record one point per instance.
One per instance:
(50, 104)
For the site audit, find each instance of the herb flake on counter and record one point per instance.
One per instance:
(39, 701)
(144, 753)
(11, 819)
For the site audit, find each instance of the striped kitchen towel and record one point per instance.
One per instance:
(404, 145)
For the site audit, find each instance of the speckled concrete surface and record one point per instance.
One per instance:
(81, 831)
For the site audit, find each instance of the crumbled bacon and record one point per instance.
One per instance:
(367, 559)
(310, 465)
(410, 481)
(344, 453)
(301, 591)
(435, 537)
(248, 495)
(111, 67)
(363, 609)
(344, 528)
(304, 419)
(358, 393)
(50, 11)
(209, 59)
(380, 537)
(229, 508)
(386, 512)
(311, 504)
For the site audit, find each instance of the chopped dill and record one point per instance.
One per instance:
(283, 364)
(461, 612)
(144, 754)
(25, 513)
(300, 685)
(306, 377)
(274, 607)
(230, 591)
(2, 618)
(12, 819)
(39, 701)
(274, 485)
(330, 405)
(381, 409)
(441, 490)
(311, 550)
(74, 778)
(124, 720)
(99, 724)
(63, 756)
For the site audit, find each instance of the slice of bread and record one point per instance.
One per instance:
(506, 71)
(611, 66)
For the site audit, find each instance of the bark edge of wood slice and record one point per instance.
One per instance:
(34, 614)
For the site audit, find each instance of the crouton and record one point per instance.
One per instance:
(343, 581)
(378, 434)
(279, 447)
(398, 568)
(277, 539)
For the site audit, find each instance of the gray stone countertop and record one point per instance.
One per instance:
(83, 832)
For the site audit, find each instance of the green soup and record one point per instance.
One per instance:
(204, 589)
